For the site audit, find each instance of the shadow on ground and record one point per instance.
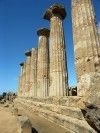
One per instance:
(92, 116)
(34, 130)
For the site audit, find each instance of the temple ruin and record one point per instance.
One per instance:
(86, 44)
(43, 81)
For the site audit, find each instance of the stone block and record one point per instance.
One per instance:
(24, 125)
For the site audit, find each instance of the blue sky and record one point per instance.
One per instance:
(19, 21)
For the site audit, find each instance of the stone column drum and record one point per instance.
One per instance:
(58, 79)
(33, 72)
(98, 29)
(24, 79)
(28, 62)
(20, 80)
(42, 63)
(86, 43)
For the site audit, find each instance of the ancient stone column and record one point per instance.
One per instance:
(24, 79)
(86, 47)
(98, 29)
(33, 72)
(42, 63)
(99, 37)
(58, 79)
(20, 80)
(28, 62)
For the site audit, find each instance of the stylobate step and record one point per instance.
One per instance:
(64, 110)
(68, 122)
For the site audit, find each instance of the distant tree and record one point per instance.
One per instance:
(1, 97)
(4, 94)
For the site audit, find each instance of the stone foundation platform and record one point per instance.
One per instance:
(62, 111)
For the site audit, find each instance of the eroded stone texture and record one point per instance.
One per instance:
(90, 88)
(71, 118)
(33, 72)
(27, 83)
(86, 44)
(98, 28)
(24, 79)
(42, 63)
(58, 77)
(20, 80)
(24, 124)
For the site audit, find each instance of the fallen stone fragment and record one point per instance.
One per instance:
(24, 124)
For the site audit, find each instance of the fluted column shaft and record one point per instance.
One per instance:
(99, 42)
(86, 40)
(33, 72)
(58, 72)
(24, 79)
(42, 63)
(20, 80)
(28, 62)
(57, 58)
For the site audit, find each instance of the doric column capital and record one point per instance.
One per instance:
(21, 64)
(28, 53)
(55, 9)
(43, 32)
(33, 49)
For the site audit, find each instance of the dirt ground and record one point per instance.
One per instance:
(8, 123)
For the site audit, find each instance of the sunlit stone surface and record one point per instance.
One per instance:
(33, 72)
(28, 63)
(58, 77)
(42, 62)
(86, 44)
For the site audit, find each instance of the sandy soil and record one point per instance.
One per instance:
(8, 123)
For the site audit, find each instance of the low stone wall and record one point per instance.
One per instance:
(64, 111)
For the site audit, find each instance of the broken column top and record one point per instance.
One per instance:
(44, 32)
(21, 64)
(28, 53)
(34, 49)
(57, 9)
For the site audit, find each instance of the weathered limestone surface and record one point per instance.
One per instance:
(27, 83)
(24, 79)
(20, 80)
(86, 44)
(90, 87)
(24, 125)
(44, 78)
(92, 115)
(42, 63)
(99, 41)
(58, 77)
(68, 117)
(33, 72)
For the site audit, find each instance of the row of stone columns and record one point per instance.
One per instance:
(44, 73)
